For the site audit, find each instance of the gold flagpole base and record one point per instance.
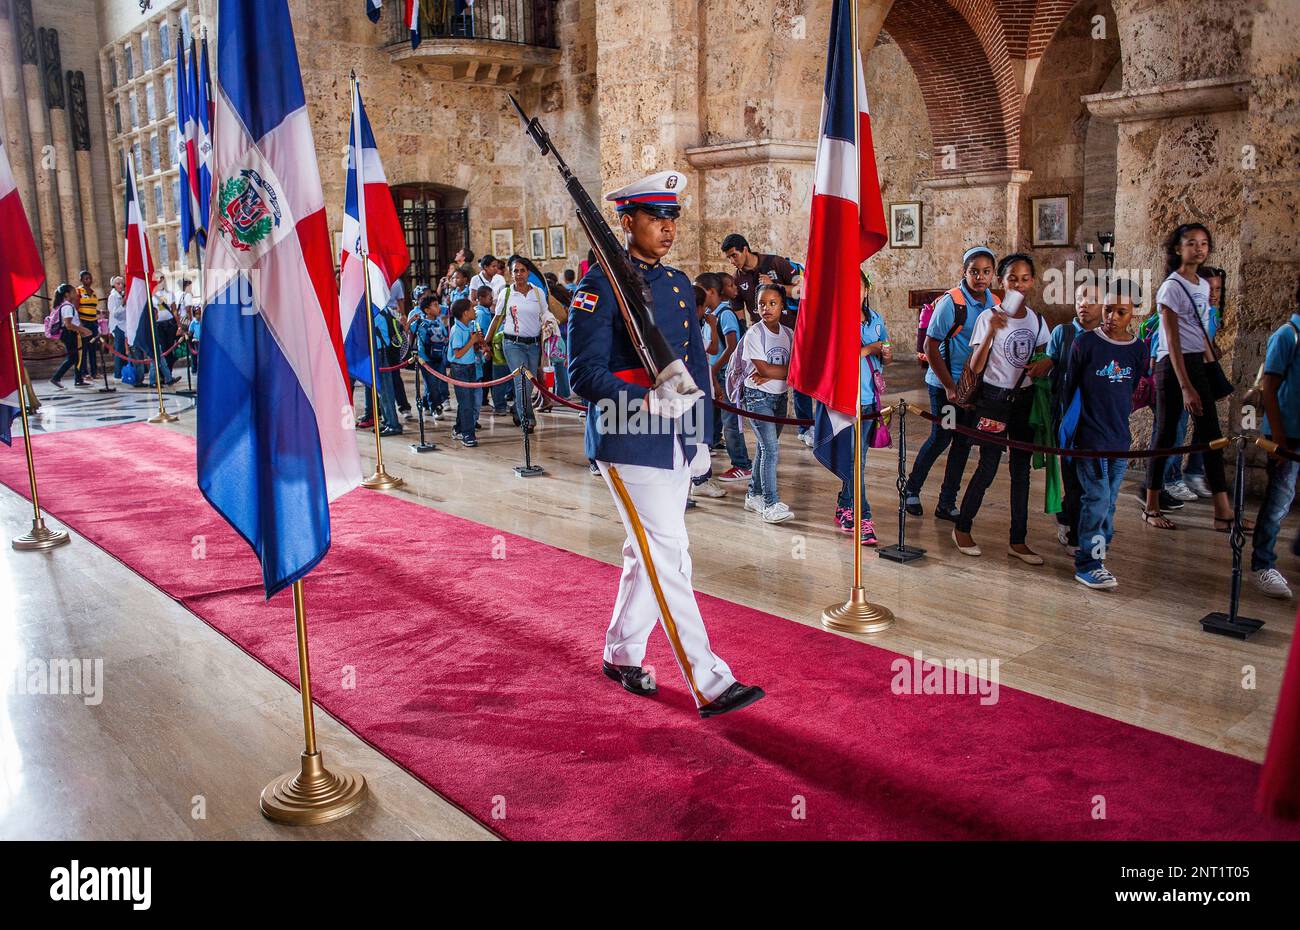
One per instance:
(41, 537)
(314, 794)
(162, 416)
(857, 615)
(382, 481)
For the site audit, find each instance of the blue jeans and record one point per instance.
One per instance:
(803, 410)
(119, 346)
(938, 440)
(387, 403)
(160, 366)
(1276, 505)
(762, 483)
(467, 401)
(435, 389)
(523, 356)
(845, 498)
(1099, 480)
(737, 451)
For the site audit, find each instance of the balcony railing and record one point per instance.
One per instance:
(521, 22)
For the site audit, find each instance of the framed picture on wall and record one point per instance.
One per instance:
(503, 243)
(559, 243)
(905, 225)
(1051, 219)
(537, 239)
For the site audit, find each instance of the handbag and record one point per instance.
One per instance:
(1220, 386)
(880, 436)
(129, 375)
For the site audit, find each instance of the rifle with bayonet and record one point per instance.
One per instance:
(631, 292)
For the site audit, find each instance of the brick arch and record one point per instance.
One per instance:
(958, 51)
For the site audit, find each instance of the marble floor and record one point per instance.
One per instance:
(191, 727)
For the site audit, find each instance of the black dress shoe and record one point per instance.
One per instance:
(734, 698)
(914, 510)
(632, 677)
(949, 515)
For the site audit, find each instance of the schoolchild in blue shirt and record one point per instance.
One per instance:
(947, 346)
(465, 346)
(876, 353)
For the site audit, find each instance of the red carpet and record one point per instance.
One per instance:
(480, 677)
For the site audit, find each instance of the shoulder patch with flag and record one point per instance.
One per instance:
(585, 300)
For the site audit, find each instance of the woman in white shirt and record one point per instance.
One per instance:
(117, 321)
(766, 350)
(73, 332)
(1002, 345)
(518, 316)
(1181, 373)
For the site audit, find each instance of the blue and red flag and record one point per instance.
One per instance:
(276, 442)
(137, 271)
(202, 96)
(413, 21)
(188, 205)
(370, 228)
(374, 9)
(847, 227)
(21, 274)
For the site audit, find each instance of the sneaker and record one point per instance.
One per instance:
(455, 436)
(754, 502)
(736, 473)
(709, 488)
(1097, 578)
(1197, 485)
(806, 438)
(1167, 500)
(1271, 583)
(1180, 491)
(690, 504)
(1063, 535)
(469, 443)
(913, 505)
(57, 384)
(777, 513)
(844, 519)
(594, 469)
(365, 424)
(867, 536)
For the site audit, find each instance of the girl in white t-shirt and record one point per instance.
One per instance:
(1003, 344)
(766, 350)
(1182, 373)
(65, 305)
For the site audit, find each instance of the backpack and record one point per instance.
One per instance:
(959, 319)
(54, 324)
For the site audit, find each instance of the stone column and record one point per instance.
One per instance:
(79, 123)
(50, 241)
(66, 185)
(647, 71)
(17, 137)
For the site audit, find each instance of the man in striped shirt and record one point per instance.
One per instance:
(88, 315)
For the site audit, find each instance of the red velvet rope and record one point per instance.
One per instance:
(468, 384)
(403, 363)
(143, 361)
(1000, 440)
(787, 421)
(541, 389)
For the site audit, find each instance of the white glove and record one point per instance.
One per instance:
(676, 392)
(700, 462)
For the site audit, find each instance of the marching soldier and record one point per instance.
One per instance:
(647, 443)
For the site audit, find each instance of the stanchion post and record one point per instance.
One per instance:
(1231, 623)
(103, 364)
(162, 416)
(311, 794)
(423, 445)
(902, 552)
(528, 469)
(40, 536)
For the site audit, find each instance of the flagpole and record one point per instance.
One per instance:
(40, 537)
(857, 614)
(312, 794)
(380, 480)
(162, 416)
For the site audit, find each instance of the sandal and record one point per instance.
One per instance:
(1246, 525)
(1158, 520)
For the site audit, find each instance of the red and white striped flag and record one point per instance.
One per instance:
(413, 21)
(139, 269)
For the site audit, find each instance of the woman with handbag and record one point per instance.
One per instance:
(1187, 373)
(996, 381)
(875, 354)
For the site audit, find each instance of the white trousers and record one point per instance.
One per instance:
(656, 580)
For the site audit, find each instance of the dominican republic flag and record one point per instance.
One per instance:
(138, 271)
(413, 21)
(374, 9)
(847, 227)
(202, 96)
(370, 228)
(192, 178)
(276, 442)
(184, 126)
(21, 273)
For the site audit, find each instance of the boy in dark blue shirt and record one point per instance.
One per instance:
(1103, 372)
